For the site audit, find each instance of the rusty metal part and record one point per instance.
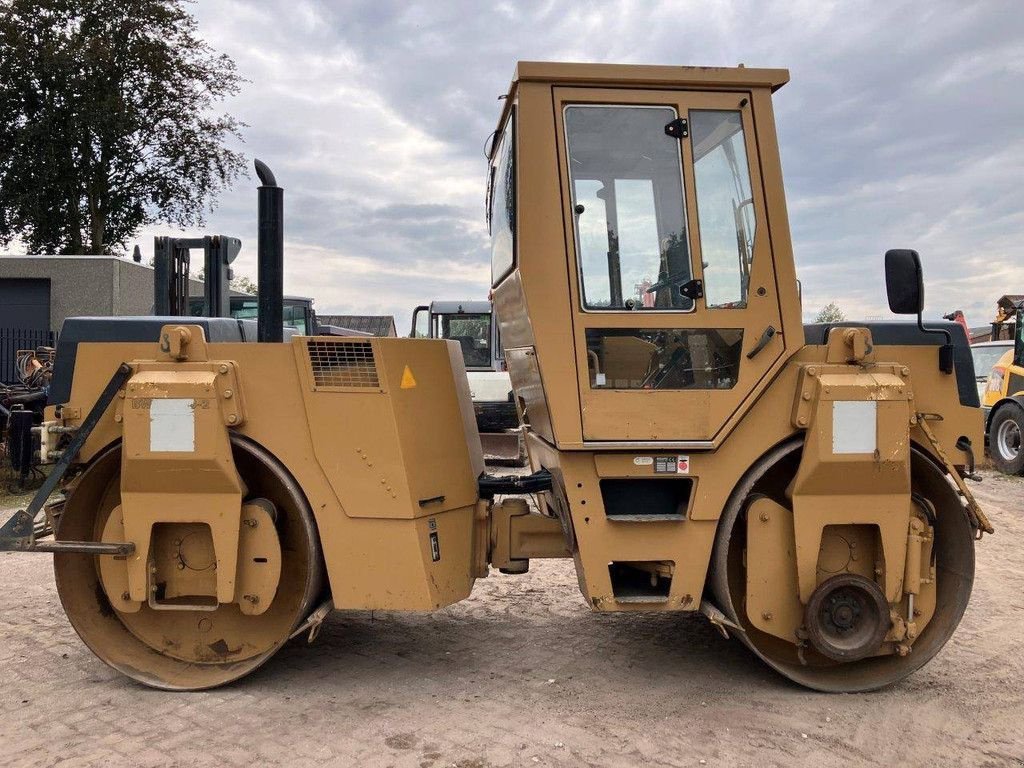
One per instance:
(847, 617)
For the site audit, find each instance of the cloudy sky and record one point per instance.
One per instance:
(901, 127)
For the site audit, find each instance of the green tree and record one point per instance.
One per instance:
(245, 284)
(830, 313)
(107, 122)
(242, 283)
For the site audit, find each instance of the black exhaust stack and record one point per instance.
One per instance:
(270, 255)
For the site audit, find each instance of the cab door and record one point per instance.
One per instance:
(676, 308)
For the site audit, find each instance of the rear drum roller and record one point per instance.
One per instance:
(843, 613)
(188, 649)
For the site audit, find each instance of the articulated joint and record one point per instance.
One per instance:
(516, 535)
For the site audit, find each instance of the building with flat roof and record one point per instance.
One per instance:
(37, 293)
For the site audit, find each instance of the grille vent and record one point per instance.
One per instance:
(343, 364)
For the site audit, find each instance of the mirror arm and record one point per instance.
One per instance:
(946, 350)
(415, 314)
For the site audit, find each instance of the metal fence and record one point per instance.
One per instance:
(13, 339)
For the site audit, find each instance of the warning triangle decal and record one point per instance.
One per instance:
(408, 380)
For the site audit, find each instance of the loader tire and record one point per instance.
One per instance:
(1004, 439)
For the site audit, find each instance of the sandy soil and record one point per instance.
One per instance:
(521, 674)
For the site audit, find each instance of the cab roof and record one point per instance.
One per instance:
(649, 75)
(639, 76)
(460, 307)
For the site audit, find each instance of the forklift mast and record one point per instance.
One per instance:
(172, 256)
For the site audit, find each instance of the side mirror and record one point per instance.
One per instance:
(904, 282)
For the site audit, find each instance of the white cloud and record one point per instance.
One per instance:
(900, 128)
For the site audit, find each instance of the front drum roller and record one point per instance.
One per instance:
(846, 671)
(188, 649)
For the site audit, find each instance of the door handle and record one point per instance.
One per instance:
(767, 335)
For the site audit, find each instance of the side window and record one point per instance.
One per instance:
(627, 198)
(725, 206)
(664, 358)
(473, 332)
(501, 212)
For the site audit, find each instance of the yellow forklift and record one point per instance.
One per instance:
(693, 446)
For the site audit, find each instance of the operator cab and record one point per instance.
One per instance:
(681, 301)
(297, 311)
(467, 322)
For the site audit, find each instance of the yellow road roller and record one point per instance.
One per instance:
(693, 445)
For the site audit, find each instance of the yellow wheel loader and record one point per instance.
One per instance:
(693, 446)
(1003, 400)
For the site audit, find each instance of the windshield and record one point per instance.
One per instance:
(473, 332)
(247, 308)
(986, 357)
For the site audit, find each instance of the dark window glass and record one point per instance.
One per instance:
(664, 358)
(501, 213)
(473, 332)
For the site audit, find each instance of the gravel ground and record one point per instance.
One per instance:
(521, 674)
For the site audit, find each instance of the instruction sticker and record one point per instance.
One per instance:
(671, 465)
(172, 425)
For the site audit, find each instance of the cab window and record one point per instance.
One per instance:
(664, 358)
(725, 206)
(295, 315)
(501, 208)
(628, 207)
(473, 332)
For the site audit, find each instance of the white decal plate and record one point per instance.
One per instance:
(172, 425)
(643, 461)
(854, 426)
